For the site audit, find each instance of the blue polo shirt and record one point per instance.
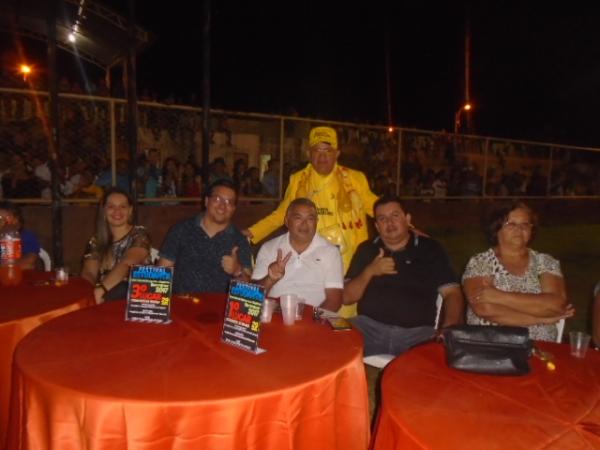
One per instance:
(29, 243)
(197, 256)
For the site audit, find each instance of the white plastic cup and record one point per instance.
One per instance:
(266, 313)
(300, 308)
(61, 276)
(580, 342)
(288, 308)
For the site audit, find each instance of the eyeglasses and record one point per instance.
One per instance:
(524, 226)
(228, 202)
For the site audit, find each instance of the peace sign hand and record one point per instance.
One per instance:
(277, 267)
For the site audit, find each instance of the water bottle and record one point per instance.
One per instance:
(11, 272)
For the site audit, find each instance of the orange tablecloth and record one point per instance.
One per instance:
(24, 307)
(427, 405)
(92, 380)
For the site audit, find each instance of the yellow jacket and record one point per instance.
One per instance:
(343, 200)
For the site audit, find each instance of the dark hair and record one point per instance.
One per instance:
(499, 216)
(300, 201)
(222, 182)
(15, 210)
(104, 237)
(385, 199)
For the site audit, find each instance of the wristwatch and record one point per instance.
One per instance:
(100, 285)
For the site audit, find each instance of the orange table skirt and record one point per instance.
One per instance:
(92, 380)
(24, 307)
(427, 405)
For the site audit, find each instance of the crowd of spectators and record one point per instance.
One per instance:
(431, 164)
(435, 166)
(26, 174)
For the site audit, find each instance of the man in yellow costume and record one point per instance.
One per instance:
(342, 196)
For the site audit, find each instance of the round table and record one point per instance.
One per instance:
(93, 380)
(22, 308)
(427, 405)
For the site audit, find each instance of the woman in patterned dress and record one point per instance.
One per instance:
(115, 247)
(511, 284)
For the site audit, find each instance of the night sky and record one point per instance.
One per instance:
(535, 69)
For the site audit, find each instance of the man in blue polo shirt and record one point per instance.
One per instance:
(207, 250)
(396, 280)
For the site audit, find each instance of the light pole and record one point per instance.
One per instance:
(457, 116)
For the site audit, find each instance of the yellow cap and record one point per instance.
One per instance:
(323, 134)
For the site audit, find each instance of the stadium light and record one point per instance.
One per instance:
(25, 70)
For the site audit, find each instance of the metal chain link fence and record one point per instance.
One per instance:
(259, 152)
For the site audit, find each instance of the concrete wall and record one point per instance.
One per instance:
(78, 220)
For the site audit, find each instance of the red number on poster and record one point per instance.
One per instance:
(138, 289)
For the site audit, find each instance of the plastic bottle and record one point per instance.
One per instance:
(11, 272)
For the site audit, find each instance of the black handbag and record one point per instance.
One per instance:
(493, 350)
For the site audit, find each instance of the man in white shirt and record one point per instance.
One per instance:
(300, 261)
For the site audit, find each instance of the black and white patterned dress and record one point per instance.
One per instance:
(487, 264)
(137, 237)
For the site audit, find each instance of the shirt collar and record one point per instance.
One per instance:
(413, 241)
(312, 244)
(198, 222)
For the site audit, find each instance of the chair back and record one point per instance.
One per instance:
(45, 257)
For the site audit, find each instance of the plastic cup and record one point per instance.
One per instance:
(580, 342)
(61, 276)
(266, 313)
(288, 308)
(300, 308)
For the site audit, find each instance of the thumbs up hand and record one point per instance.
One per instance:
(382, 265)
(231, 263)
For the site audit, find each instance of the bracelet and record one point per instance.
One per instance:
(101, 286)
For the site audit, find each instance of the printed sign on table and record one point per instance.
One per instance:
(241, 327)
(149, 294)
